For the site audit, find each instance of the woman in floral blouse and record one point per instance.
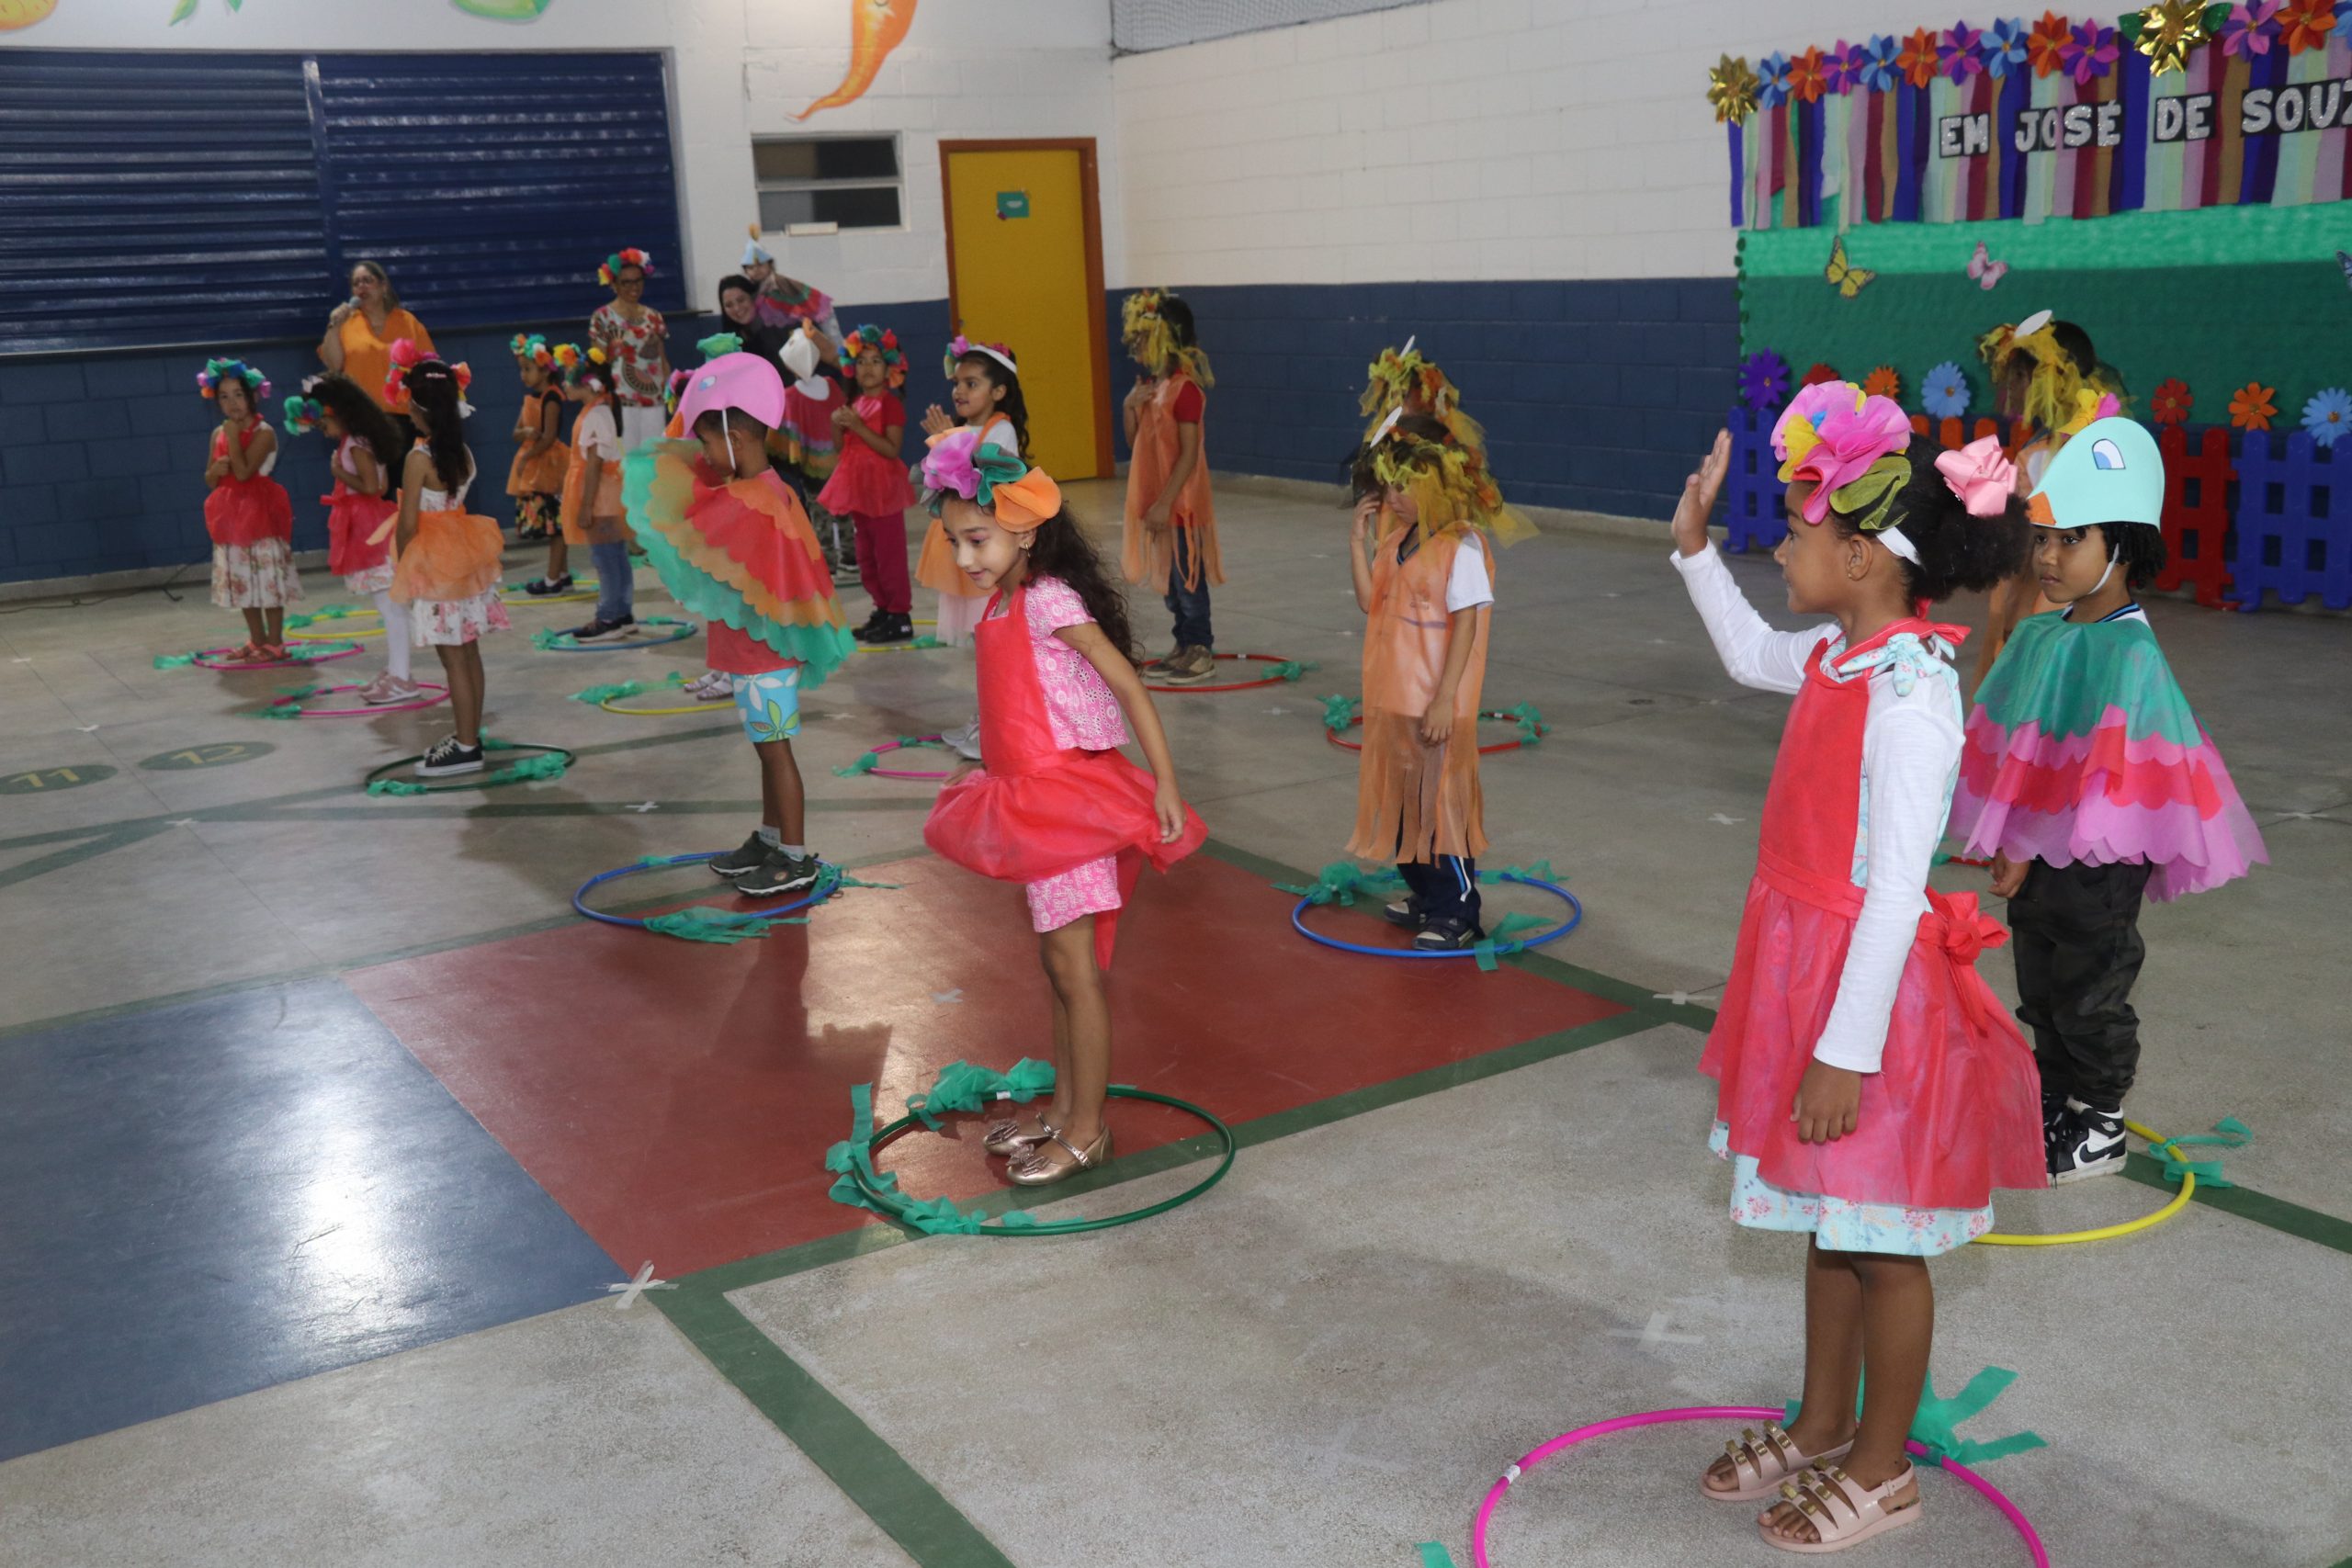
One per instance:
(632, 335)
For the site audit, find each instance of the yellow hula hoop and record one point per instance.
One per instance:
(714, 705)
(311, 633)
(2180, 1202)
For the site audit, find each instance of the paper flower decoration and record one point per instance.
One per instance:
(2328, 416)
(1958, 55)
(2171, 403)
(1817, 375)
(2004, 48)
(1773, 80)
(1841, 68)
(1945, 392)
(1731, 89)
(1805, 77)
(1832, 434)
(2247, 29)
(2090, 52)
(630, 255)
(215, 371)
(1918, 59)
(302, 414)
(1877, 66)
(1883, 382)
(2045, 46)
(2251, 408)
(1763, 379)
(2168, 30)
(2305, 24)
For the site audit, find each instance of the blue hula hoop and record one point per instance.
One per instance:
(824, 891)
(1502, 949)
(681, 631)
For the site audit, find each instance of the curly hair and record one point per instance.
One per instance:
(363, 418)
(432, 399)
(1957, 549)
(1060, 548)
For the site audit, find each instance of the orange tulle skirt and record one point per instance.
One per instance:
(455, 554)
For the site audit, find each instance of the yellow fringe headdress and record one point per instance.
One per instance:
(1448, 485)
(1151, 340)
(2059, 392)
(1402, 377)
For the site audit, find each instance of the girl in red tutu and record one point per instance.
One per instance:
(448, 558)
(248, 514)
(869, 483)
(361, 517)
(1873, 1091)
(1053, 804)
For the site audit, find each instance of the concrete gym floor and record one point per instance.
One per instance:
(330, 1127)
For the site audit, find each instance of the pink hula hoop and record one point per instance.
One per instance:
(1958, 1472)
(888, 745)
(363, 710)
(208, 660)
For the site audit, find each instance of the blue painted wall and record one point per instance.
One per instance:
(1595, 395)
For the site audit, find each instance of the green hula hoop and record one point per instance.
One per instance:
(894, 1203)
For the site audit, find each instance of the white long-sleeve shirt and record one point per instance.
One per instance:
(1911, 745)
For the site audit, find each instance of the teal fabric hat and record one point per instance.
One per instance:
(2109, 471)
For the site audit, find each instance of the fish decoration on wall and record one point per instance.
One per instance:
(186, 8)
(876, 28)
(14, 14)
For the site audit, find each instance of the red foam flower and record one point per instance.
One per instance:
(2171, 403)
(2305, 24)
(1806, 81)
(2252, 409)
(1818, 373)
(2045, 46)
(1918, 61)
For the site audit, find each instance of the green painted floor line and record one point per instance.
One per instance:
(873, 1475)
(2278, 1213)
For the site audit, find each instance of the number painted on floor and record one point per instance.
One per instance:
(218, 754)
(48, 781)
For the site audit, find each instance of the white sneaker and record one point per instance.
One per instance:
(967, 740)
(392, 691)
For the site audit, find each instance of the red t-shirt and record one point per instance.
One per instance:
(740, 653)
(887, 411)
(1189, 403)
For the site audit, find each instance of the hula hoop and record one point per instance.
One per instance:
(680, 631)
(662, 862)
(894, 1203)
(919, 645)
(439, 692)
(712, 705)
(468, 781)
(903, 773)
(310, 632)
(2060, 1238)
(1337, 739)
(1502, 949)
(209, 658)
(1953, 1468)
(1235, 685)
(578, 593)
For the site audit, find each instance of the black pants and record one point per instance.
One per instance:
(1446, 887)
(2076, 931)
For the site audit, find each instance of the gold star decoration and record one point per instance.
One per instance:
(2168, 30)
(1731, 88)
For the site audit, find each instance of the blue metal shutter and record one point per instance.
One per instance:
(491, 185)
(156, 199)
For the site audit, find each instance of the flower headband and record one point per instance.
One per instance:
(406, 356)
(609, 273)
(215, 371)
(1018, 496)
(576, 364)
(533, 348)
(302, 414)
(959, 345)
(883, 342)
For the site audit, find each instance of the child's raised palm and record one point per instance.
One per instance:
(935, 420)
(1700, 493)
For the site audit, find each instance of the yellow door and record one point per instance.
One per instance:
(1019, 274)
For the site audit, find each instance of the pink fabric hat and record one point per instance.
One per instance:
(745, 382)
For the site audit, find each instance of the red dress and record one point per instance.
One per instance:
(1037, 810)
(865, 482)
(357, 540)
(1954, 1110)
(244, 512)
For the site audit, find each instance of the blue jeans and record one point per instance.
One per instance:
(1189, 606)
(615, 582)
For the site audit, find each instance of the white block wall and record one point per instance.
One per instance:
(968, 69)
(1457, 139)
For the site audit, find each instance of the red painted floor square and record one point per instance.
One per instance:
(677, 1098)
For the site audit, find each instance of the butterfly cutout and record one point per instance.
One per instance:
(1984, 269)
(1847, 280)
(2344, 258)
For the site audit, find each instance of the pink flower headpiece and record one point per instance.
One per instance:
(1981, 474)
(1831, 433)
(406, 356)
(959, 345)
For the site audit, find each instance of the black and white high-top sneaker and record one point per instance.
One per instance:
(2092, 1145)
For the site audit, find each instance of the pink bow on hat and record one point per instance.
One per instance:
(1981, 474)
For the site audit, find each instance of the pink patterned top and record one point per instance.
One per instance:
(1081, 704)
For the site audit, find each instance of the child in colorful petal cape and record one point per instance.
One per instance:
(2090, 782)
(1053, 804)
(732, 545)
(1872, 1091)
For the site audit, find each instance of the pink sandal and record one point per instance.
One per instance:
(1771, 1458)
(1842, 1511)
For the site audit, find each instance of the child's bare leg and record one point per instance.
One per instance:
(462, 667)
(1056, 1109)
(558, 559)
(1833, 1359)
(1898, 1328)
(782, 804)
(1084, 1012)
(274, 620)
(256, 628)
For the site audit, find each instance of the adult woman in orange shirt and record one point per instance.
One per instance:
(363, 329)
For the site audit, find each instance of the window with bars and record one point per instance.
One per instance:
(850, 182)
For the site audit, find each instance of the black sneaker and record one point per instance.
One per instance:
(889, 630)
(1449, 933)
(448, 757)
(540, 587)
(874, 624)
(598, 626)
(2093, 1147)
(1405, 912)
(780, 873)
(744, 860)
